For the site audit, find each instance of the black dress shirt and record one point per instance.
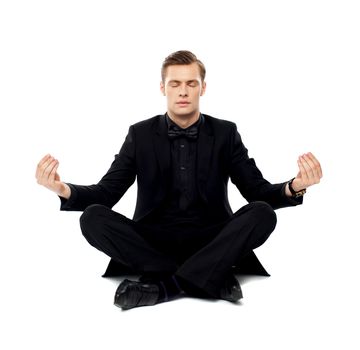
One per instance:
(183, 203)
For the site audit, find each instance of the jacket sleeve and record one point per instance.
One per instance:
(109, 190)
(246, 176)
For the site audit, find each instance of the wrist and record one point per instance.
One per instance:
(295, 189)
(65, 191)
(294, 183)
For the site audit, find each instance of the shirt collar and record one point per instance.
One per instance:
(196, 124)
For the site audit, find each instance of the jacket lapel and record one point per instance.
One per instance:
(162, 149)
(204, 152)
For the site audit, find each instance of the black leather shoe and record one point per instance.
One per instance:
(231, 291)
(131, 294)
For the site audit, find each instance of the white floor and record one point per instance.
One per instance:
(52, 295)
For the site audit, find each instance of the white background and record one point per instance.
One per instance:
(75, 74)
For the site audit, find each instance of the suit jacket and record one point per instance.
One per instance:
(145, 155)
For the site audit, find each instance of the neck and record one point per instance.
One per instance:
(184, 120)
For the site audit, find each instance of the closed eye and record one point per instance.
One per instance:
(174, 83)
(193, 83)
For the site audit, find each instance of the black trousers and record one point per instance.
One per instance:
(200, 257)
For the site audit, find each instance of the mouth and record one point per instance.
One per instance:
(183, 103)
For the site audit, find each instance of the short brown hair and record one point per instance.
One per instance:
(180, 58)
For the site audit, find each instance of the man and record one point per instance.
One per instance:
(184, 237)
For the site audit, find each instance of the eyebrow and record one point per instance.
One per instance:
(188, 81)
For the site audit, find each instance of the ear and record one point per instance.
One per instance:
(162, 88)
(203, 88)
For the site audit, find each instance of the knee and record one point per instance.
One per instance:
(265, 214)
(91, 216)
(265, 218)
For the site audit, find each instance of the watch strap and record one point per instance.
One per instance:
(294, 193)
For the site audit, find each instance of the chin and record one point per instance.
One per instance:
(184, 115)
(184, 111)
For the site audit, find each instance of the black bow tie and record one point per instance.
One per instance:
(191, 132)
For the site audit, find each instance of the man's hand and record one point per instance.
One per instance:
(309, 173)
(47, 176)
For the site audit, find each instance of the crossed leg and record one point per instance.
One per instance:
(201, 261)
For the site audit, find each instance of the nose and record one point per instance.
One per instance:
(183, 91)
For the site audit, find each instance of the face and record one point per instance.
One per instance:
(183, 88)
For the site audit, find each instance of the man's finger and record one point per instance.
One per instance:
(48, 169)
(307, 166)
(314, 167)
(317, 164)
(39, 170)
(304, 176)
(53, 172)
(45, 166)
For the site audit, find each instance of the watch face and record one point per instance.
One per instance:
(300, 193)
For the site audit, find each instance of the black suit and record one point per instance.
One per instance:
(145, 154)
